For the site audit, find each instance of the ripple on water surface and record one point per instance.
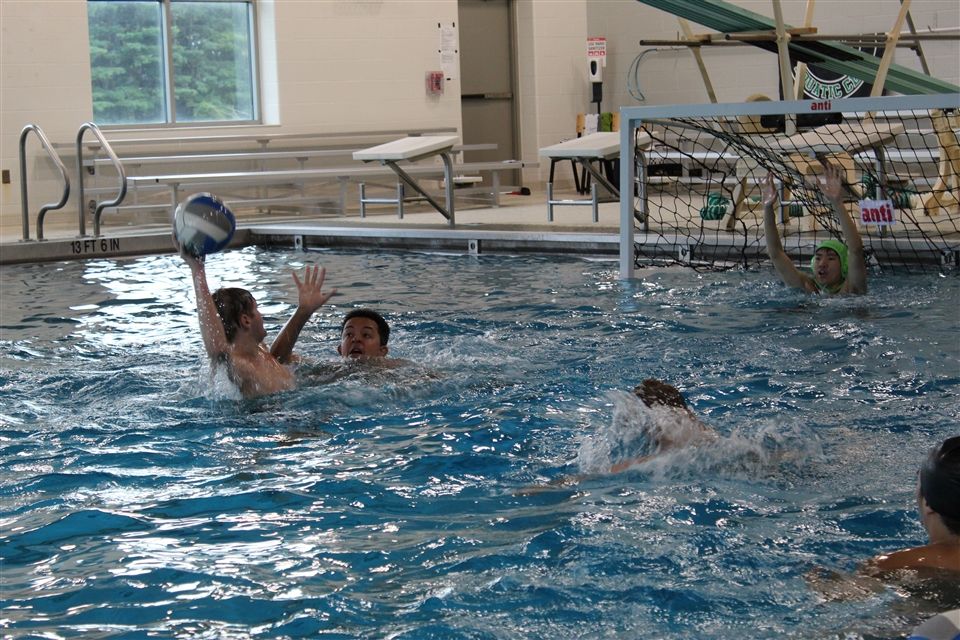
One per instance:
(435, 500)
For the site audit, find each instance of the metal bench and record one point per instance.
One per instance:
(601, 146)
(412, 149)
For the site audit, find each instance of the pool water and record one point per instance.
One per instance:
(141, 499)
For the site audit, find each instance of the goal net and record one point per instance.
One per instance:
(697, 172)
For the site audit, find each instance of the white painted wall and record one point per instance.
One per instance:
(552, 47)
(350, 65)
(44, 79)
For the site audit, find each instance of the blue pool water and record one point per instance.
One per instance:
(140, 499)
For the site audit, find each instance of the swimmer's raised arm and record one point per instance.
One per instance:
(211, 327)
(784, 266)
(311, 297)
(856, 279)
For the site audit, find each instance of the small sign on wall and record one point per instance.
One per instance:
(434, 83)
(449, 49)
(597, 48)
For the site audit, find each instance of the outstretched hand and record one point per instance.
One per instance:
(833, 180)
(311, 293)
(769, 192)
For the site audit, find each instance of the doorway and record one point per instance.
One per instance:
(487, 82)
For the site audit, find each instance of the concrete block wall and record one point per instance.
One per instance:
(552, 41)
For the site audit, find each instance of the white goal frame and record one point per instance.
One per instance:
(632, 117)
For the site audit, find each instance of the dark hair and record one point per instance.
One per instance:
(940, 482)
(231, 303)
(382, 327)
(654, 392)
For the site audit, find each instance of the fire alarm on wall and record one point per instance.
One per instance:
(435, 83)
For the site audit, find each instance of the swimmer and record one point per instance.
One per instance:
(363, 339)
(838, 267)
(938, 501)
(680, 427)
(233, 331)
(363, 335)
(685, 430)
(363, 349)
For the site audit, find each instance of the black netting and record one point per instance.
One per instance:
(698, 188)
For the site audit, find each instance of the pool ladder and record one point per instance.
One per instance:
(121, 175)
(55, 158)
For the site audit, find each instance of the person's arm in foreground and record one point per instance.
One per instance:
(211, 327)
(856, 262)
(784, 266)
(311, 298)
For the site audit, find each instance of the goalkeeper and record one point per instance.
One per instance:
(838, 267)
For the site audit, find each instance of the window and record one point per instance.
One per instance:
(173, 61)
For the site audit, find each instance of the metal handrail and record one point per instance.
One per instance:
(105, 146)
(55, 157)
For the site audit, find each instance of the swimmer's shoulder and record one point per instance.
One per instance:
(931, 556)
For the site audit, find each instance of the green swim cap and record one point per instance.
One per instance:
(837, 247)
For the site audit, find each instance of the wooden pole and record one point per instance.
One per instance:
(783, 52)
(916, 44)
(695, 50)
(891, 45)
(786, 77)
(802, 66)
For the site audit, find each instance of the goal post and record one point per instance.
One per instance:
(690, 189)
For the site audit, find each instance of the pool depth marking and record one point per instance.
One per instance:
(95, 245)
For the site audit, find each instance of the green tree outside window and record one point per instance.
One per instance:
(210, 76)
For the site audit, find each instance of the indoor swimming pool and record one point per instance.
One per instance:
(141, 499)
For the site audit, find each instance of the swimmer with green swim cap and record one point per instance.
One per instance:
(837, 267)
(830, 265)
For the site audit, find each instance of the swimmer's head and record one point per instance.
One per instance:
(829, 262)
(363, 334)
(232, 303)
(653, 393)
(940, 482)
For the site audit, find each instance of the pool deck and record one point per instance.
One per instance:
(518, 225)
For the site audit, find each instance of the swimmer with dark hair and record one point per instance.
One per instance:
(682, 428)
(687, 430)
(363, 334)
(938, 500)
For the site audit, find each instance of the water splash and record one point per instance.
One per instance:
(665, 441)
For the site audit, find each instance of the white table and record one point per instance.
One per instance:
(411, 149)
(604, 145)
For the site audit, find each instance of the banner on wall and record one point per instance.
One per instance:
(823, 84)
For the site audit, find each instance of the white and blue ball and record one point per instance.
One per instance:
(203, 224)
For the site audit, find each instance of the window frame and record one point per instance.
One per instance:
(168, 81)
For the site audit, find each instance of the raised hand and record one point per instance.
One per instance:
(769, 191)
(194, 262)
(311, 293)
(833, 181)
